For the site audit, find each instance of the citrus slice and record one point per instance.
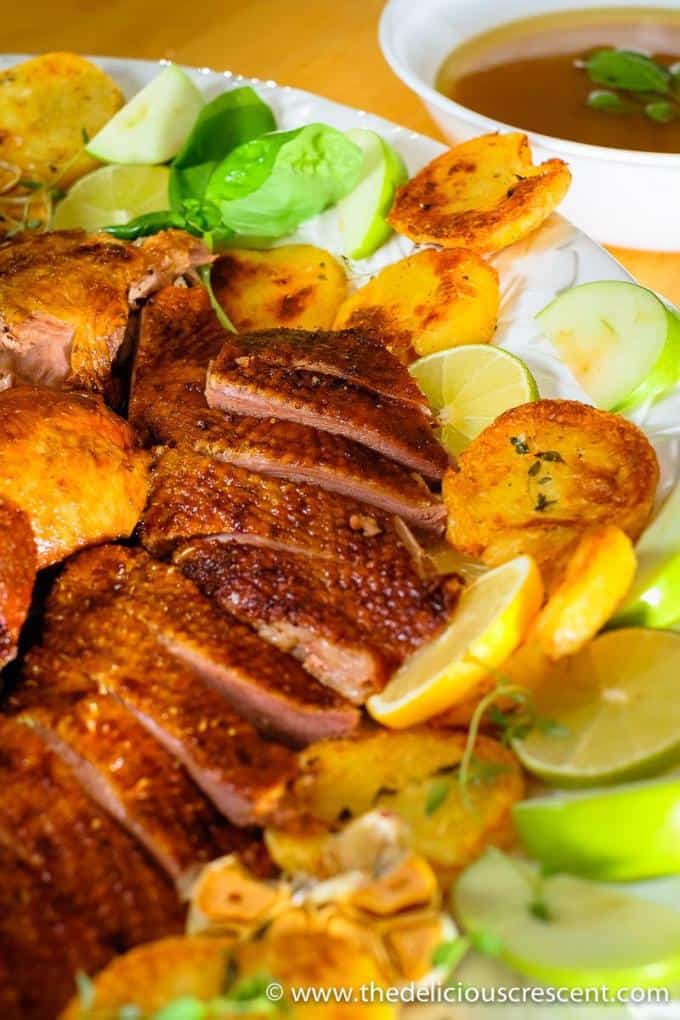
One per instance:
(113, 195)
(613, 709)
(468, 387)
(491, 619)
(619, 835)
(568, 932)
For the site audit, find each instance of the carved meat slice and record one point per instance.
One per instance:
(179, 335)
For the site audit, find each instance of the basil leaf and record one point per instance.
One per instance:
(608, 102)
(269, 186)
(626, 69)
(149, 223)
(222, 125)
(662, 111)
(449, 954)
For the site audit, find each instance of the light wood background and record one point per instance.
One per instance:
(326, 46)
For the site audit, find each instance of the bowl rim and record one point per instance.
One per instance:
(386, 28)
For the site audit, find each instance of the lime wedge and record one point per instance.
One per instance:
(154, 125)
(613, 709)
(566, 931)
(113, 195)
(618, 835)
(469, 386)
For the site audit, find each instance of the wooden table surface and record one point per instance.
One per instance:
(326, 46)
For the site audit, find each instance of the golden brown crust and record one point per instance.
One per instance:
(426, 302)
(72, 466)
(540, 474)
(484, 194)
(17, 574)
(296, 286)
(48, 102)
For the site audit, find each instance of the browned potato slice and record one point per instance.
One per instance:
(302, 955)
(153, 975)
(406, 772)
(484, 194)
(296, 285)
(49, 105)
(598, 575)
(427, 302)
(542, 473)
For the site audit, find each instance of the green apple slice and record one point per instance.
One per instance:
(361, 214)
(619, 835)
(568, 932)
(654, 599)
(154, 125)
(613, 708)
(620, 341)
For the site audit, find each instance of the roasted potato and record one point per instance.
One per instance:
(153, 975)
(404, 772)
(299, 954)
(541, 474)
(427, 302)
(297, 285)
(484, 194)
(599, 573)
(50, 104)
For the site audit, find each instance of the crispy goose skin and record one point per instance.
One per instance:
(120, 765)
(179, 335)
(266, 687)
(343, 354)
(76, 888)
(17, 574)
(356, 558)
(192, 495)
(242, 773)
(327, 611)
(72, 466)
(65, 299)
(332, 405)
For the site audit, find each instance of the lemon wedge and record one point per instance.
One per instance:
(490, 621)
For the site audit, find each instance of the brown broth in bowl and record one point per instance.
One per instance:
(526, 74)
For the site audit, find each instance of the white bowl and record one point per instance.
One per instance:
(619, 197)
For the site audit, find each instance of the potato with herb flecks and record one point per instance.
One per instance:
(295, 286)
(542, 473)
(415, 774)
(484, 194)
(427, 302)
(49, 107)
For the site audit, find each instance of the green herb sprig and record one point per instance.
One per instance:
(631, 82)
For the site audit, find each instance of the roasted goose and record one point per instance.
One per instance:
(179, 336)
(72, 466)
(65, 300)
(17, 574)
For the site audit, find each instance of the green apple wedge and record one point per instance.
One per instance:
(565, 931)
(154, 125)
(621, 342)
(654, 599)
(621, 834)
(361, 214)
